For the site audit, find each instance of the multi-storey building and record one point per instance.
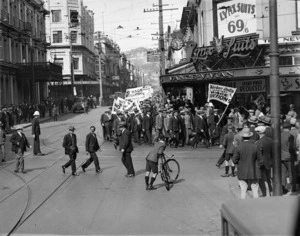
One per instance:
(24, 70)
(70, 27)
(227, 42)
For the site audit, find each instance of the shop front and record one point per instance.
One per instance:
(238, 62)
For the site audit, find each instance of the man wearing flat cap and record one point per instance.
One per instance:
(71, 149)
(126, 148)
(19, 146)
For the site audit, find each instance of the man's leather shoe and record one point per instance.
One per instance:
(63, 169)
(233, 174)
(218, 165)
(75, 174)
(99, 171)
(83, 168)
(130, 175)
(151, 187)
(16, 171)
(23, 171)
(225, 175)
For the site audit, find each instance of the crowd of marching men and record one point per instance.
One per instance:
(182, 125)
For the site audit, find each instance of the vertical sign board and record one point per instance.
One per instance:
(237, 17)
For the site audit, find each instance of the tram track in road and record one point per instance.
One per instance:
(21, 219)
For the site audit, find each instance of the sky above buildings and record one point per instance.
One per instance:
(125, 22)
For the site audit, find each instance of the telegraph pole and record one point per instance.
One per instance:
(161, 36)
(275, 98)
(100, 68)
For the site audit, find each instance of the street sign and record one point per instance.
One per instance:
(153, 56)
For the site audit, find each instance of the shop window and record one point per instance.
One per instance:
(56, 15)
(57, 37)
(296, 60)
(285, 60)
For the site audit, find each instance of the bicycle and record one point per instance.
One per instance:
(169, 169)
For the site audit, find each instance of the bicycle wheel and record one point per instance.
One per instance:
(173, 169)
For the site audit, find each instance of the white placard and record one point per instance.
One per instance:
(237, 17)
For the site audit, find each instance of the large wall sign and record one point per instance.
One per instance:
(227, 48)
(288, 84)
(247, 86)
(237, 17)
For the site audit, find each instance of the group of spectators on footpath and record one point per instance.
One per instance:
(245, 135)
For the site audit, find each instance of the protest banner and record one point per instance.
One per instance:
(122, 105)
(138, 93)
(220, 93)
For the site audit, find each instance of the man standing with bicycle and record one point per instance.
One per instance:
(152, 161)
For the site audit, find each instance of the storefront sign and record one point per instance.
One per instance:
(247, 86)
(284, 40)
(220, 93)
(288, 84)
(237, 17)
(202, 76)
(227, 48)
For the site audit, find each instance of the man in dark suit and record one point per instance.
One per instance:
(36, 132)
(19, 145)
(248, 159)
(136, 127)
(91, 147)
(126, 148)
(200, 128)
(265, 148)
(147, 126)
(175, 128)
(71, 149)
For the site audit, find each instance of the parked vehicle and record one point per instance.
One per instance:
(78, 104)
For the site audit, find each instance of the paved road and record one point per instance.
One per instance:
(46, 201)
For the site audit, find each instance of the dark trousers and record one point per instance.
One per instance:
(36, 145)
(175, 138)
(222, 158)
(127, 162)
(182, 136)
(93, 158)
(149, 136)
(136, 136)
(198, 138)
(72, 160)
(265, 177)
(107, 132)
(104, 132)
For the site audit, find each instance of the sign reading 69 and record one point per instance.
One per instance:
(237, 26)
(237, 17)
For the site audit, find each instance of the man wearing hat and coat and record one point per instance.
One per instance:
(19, 146)
(126, 147)
(248, 159)
(2, 141)
(264, 145)
(71, 149)
(36, 132)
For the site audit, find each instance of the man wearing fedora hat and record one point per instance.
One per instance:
(71, 149)
(248, 159)
(126, 148)
(2, 141)
(19, 146)
(36, 132)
